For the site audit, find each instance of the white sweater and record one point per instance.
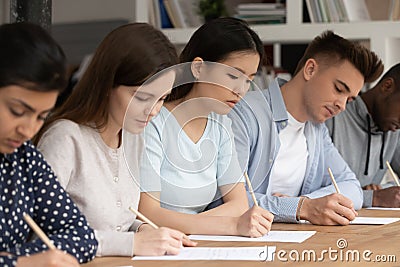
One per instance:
(99, 180)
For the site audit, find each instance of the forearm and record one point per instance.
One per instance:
(192, 223)
(349, 189)
(283, 208)
(232, 208)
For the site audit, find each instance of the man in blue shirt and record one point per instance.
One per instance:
(285, 147)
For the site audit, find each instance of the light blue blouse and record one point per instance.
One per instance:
(188, 174)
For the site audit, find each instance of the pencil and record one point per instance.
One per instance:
(392, 173)
(333, 180)
(143, 218)
(250, 189)
(38, 231)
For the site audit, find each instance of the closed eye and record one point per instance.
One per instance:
(338, 89)
(143, 99)
(17, 113)
(233, 77)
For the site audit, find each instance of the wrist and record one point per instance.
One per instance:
(301, 212)
(375, 199)
(141, 227)
(234, 229)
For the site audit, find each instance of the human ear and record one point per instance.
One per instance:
(388, 86)
(309, 68)
(196, 67)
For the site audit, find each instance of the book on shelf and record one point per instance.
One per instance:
(183, 13)
(261, 13)
(158, 16)
(323, 11)
(356, 10)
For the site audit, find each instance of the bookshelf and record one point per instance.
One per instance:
(383, 36)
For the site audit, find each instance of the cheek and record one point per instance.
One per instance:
(133, 109)
(8, 123)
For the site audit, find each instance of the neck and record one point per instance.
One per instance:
(292, 94)
(111, 135)
(368, 98)
(190, 107)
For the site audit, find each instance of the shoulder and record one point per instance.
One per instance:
(28, 156)
(27, 149)
(63, 126)
(66, 129)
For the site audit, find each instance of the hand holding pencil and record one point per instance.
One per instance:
(49, 257)
(159, 240)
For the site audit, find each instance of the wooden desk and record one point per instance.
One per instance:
(380, 240)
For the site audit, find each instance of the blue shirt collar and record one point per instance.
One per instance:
(279, 112)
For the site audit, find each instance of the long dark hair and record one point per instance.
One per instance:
(31, 58)
(128, 56)
(214, 41)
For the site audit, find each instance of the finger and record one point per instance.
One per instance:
(173, 250)
(174, 233)
(348, 213)
(187, 242)
(378, 187)
(71, 260)
(64, 258)
(265, 224)
(176, 243)
(182, 238)
(268, 215)
(260, 230)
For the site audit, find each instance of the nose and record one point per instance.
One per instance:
(29, 128)
(153, 110)
(340, 104)
(242, 88)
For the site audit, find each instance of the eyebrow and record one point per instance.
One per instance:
(29, 107)
(242, 71)
(345, 85)
(347, 88)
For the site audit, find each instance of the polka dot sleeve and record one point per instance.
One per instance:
(8, 261)
(38, 193)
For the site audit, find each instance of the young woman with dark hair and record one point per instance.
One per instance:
(190, 159)
(32, 74)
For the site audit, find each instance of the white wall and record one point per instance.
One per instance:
(65, 11)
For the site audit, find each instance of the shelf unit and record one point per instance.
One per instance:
(383, 36)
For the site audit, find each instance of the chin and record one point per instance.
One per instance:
(134, 130)
(223, 110)
(7, 150)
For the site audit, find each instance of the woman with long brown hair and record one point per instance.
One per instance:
(83, 138)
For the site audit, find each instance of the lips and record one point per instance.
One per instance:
(143, 123)
(331, 111)
(232, 103)
(14, 143)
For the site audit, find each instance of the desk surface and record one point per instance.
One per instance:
(376, 243)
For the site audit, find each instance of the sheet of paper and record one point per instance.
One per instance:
(380, 208)
(272, 236)
(218, 253)
(374, 220)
